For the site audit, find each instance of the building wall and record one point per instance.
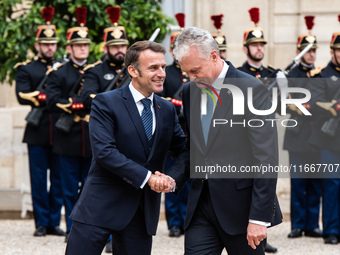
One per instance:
(282, 22)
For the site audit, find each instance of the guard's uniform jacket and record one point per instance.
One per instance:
(47, 202)
(297, 138)
(98, 76)
(172, 88)
(28, 78)
(60, 84)
(323, 90)
(260, 73)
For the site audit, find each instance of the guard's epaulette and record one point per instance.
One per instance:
(316, 71)
(237, 67)
(54, 68)
(92, 65)
(272, 68)
(22, 63)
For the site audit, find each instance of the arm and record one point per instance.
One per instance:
(104, 146)
(263, 142)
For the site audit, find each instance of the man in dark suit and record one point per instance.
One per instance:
(227, 210)
(127, 152)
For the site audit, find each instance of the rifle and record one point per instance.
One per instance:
(115, 79)
(65, 121)
(292, 64)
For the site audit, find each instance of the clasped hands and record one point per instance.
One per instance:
(160, 182)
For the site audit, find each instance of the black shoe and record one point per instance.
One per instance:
(55, 231)
(270, 249)
(330, 239)
(296, 232)
(108, 247)
(175, 231)
(67, 236)
(316, 232)
(40, 231)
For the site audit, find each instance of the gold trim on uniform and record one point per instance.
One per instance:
(92, 65)
(116, 33)
(82, 33)
(22, 63)
(49, 32)
(257, 33)
(219, 39)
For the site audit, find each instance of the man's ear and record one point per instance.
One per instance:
(105, 49)
(214, 56)
(36, 46)
(69, 49)
(133, 71)
(245, 50)
(298, 52)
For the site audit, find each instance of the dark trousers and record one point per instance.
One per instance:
(73, 173)
(176, 205)
(305, 194)
(331, 196)
(47, 201)
(205, 235)
(90, 240)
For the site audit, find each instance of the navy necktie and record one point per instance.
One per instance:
(206, 119)
(147, 117)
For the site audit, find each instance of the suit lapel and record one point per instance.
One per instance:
(196, 136)
(221, 111)
(134, 115)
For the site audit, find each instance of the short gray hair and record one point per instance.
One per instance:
(194, 37)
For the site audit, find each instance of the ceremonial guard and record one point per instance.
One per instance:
(175, 205)
(70, 137)
(305, 192)
(325, 107)
(111, 73)
(220, 37)
(253, 47)
(30, 90)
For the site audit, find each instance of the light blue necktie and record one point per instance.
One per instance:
(206, 119)
(147, 118)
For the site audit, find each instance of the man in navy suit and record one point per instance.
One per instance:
(128, 153)
(227, 210)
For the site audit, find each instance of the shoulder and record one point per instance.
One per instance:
(55, 68)
(272, 69)
(91, 66)
(58, 67)
(163, 103)
(317, 71)
(22, 63)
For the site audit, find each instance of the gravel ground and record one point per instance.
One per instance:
(16, 238)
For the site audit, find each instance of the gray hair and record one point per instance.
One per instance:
(194, 37)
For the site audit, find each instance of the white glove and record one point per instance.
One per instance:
(282, 81)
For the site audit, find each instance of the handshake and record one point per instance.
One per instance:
(160, 182)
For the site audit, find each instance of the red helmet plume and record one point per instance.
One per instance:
(217, 20)
(114, 14)
(309, 22)
(81, 15)
(180, 19)
(255, 15)
(47, 13)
